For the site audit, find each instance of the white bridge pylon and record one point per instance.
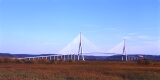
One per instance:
(119, 49)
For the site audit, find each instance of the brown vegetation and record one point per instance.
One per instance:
(77, 70)
(145, 62)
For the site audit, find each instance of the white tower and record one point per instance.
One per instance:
(80, 49)
(124, 51)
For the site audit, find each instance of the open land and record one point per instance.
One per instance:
(80, 70)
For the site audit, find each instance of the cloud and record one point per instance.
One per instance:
(134, 36)
(145, 37)
(155, 42)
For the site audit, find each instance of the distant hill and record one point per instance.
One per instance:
(6, 55)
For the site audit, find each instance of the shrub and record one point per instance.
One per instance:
(148, 62)
(144, 62)
(1, 60)
(8, 60)
(18, 61)
(24, 60)
(31, 61)
(61, 60)
(71, 60)
(43, 61)
(54, 61)
(140, 61)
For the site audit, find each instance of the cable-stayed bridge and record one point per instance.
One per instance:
(81, 46)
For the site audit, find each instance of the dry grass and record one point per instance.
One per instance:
(88, 70)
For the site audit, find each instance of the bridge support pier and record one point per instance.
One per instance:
(71, 56)
(50, 58)
(68, 56)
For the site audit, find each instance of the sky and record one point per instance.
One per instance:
(47, 26)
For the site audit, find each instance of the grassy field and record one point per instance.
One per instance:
(88, 70)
